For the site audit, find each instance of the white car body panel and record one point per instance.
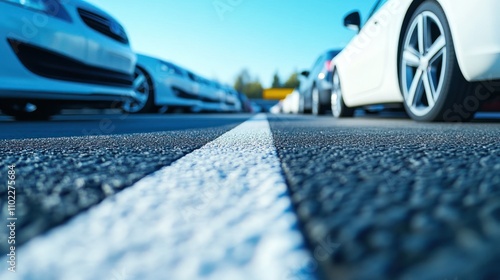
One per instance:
(70, 39)
(285, 105)
(165, 82)
(103, 52)
(232, 102)
(372, 55)
(369, 56)
(222, 97)
(175, 86)
(291, 103)
(211, 96)
(474, 27)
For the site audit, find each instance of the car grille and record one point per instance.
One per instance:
(52, 65)
(104, 25)
(184, 94)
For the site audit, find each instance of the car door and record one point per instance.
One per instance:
(195, 85)
(179, 79)
(363, 62)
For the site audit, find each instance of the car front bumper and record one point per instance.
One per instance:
(48, 58)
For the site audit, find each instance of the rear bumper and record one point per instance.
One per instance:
(482, 66)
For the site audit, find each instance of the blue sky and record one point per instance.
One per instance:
(218, 38)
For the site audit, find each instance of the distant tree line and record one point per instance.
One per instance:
(291, 82)
(252, 87)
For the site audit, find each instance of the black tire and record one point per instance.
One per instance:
(339, 109)
(317, 107)
(302, 109)
(26, 111)
(425, 99)
(302, 104)
(144, 87)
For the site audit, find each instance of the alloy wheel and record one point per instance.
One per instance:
(336, 97)
(315, 101)
(142, 90)
(423, 63)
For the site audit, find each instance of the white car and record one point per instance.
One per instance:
(159, 83)
(291, 104)
(211, 95)
(232, 102)
(61, 53)
(440, 58)
(286, 105)
(277, 109)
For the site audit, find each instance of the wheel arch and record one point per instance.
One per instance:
(151, 80)
(454, 23)
(313, 85)
(409, 13)
(336, 69)
(406, 21)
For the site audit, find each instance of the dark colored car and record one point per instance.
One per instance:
(315, 89)
(246, 106)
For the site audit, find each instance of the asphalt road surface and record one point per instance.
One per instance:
(252, 197)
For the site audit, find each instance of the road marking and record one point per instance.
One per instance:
(221, 212)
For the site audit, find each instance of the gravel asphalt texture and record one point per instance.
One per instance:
(394, 199)
(222, 213)
(376, 198)
(58, 178)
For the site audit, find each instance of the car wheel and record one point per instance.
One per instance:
(30, 112)
(301, 104)
(430, 78)
(339, 109)
(143, 87)
(317, 107)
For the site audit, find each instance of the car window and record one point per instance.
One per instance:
(332, 54)
(192, 77)
(318, 61)
(317, 65)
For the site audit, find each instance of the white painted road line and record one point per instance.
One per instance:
(221, 212)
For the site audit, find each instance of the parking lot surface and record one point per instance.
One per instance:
(372, 198)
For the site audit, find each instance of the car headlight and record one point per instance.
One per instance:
(49, 7)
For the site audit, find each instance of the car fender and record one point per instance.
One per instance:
(477, 42)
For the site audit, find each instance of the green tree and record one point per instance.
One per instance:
(254, 90)
(276, 81)
(242, 79)
(250, 87)
(293, 81)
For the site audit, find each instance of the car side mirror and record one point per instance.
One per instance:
(305, 73)
(353, 21)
